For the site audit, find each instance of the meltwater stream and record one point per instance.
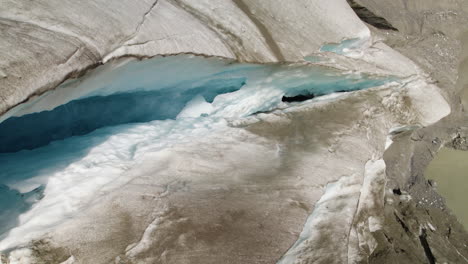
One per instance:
(64, 150)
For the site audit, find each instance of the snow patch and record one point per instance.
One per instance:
(147, 239)
(428, 101)
(196, 107)
(21, 256)
(388, 142)
(70, 260)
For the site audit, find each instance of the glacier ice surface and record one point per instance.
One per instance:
(65, 149)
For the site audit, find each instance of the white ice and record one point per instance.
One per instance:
(196, 107)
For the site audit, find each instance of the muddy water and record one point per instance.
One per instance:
(450, 170)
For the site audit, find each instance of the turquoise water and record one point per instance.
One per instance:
(339, 48)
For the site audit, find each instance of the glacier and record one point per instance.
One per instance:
(73, 153)
(243, 131)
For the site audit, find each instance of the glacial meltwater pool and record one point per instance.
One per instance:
(65, 149)
(450, 171)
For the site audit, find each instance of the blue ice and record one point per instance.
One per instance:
(340, 48)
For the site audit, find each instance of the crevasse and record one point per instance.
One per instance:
(65, 149)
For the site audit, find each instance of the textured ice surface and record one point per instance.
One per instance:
(104, 124)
